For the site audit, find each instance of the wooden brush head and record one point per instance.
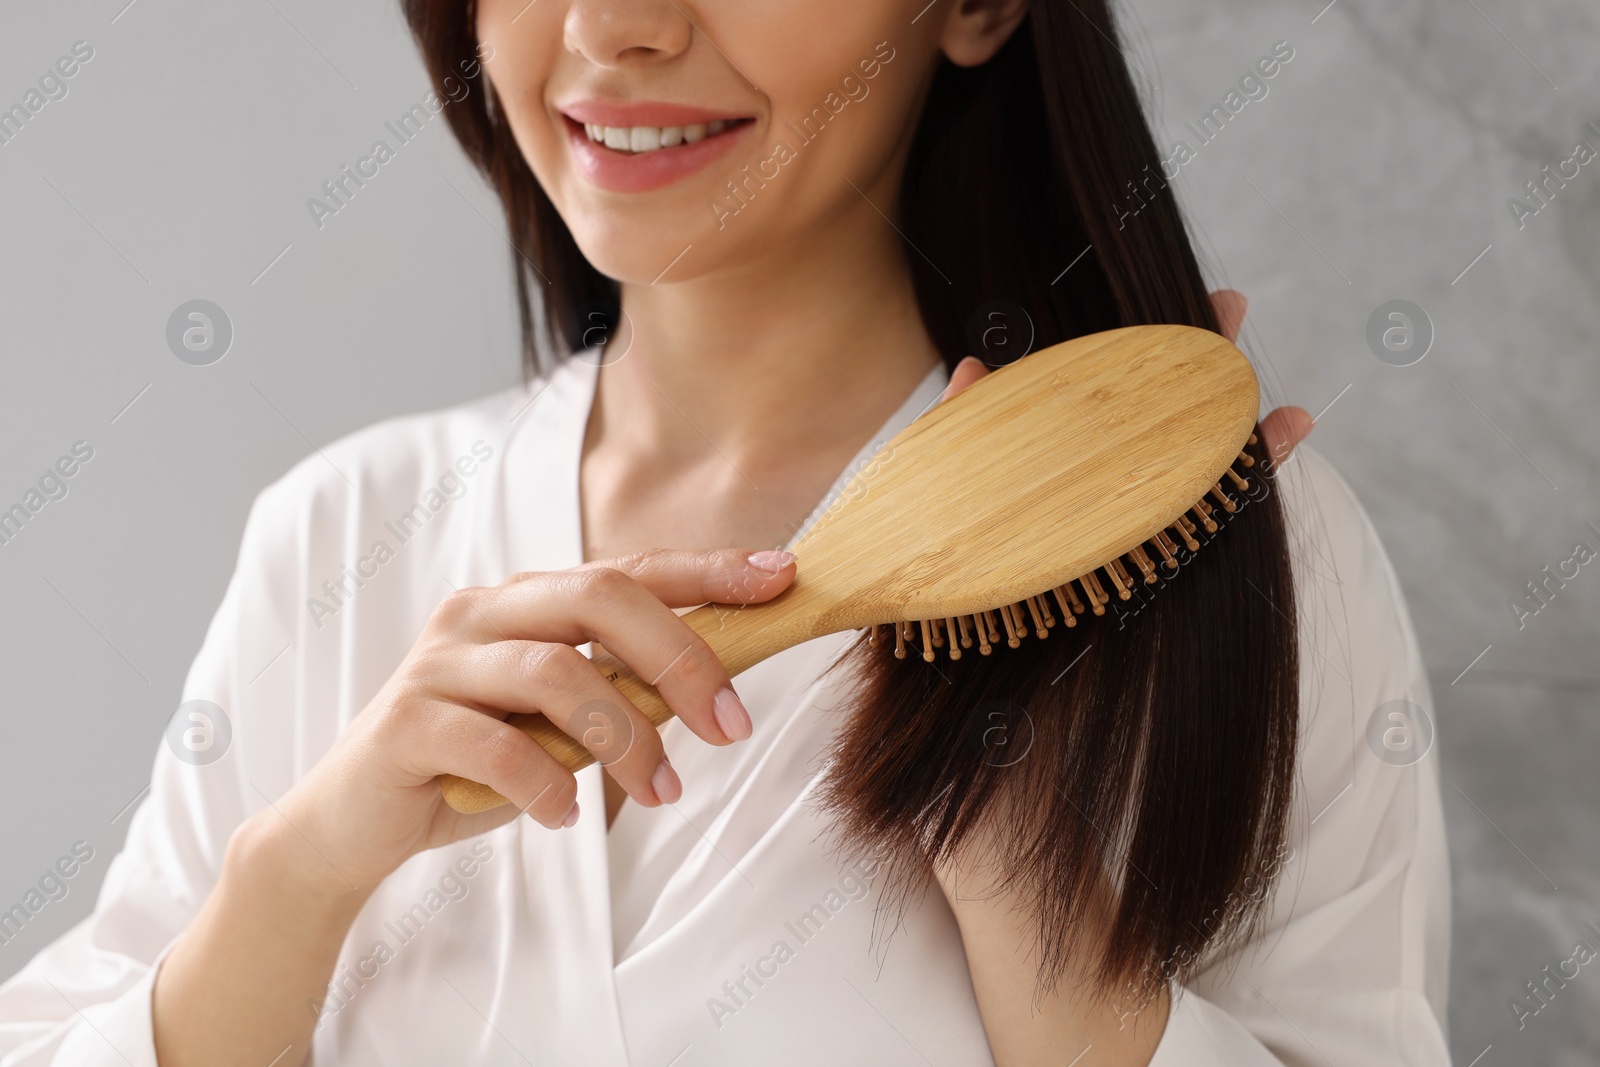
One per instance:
(1033, 476)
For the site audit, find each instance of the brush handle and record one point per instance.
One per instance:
(740, 636)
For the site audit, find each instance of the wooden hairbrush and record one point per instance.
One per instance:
(1095, 455)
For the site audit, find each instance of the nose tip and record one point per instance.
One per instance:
(612, 33)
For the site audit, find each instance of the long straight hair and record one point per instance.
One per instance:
(1152, 749)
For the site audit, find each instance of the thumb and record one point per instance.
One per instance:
(682, 578)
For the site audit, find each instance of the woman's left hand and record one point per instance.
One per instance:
(996, 929)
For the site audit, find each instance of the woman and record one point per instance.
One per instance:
(810, 210)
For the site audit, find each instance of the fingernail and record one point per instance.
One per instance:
(731, 716)
(771, 561)
(572, 816)
(668, 787)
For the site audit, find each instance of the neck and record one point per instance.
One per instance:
(805, 351)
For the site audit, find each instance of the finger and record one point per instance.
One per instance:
(1283, 429)
(1229, 306)
(605, 605)
(682, 578)
(969, 370)
(444, 738)
(561, 683)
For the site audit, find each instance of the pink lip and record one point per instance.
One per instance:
(624, 172)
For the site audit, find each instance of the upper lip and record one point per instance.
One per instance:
(620, 113)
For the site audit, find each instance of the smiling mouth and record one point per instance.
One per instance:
(636, 140)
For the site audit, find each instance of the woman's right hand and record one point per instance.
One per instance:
(374, 800)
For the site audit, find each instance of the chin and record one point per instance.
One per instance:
(636, 252)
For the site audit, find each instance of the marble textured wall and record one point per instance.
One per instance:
(1377, 167)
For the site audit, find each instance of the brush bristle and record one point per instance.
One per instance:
(955, 633)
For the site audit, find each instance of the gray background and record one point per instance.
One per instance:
(1378, 167)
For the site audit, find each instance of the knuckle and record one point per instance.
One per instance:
(698, 665)
(551, 666)
(504, 754)
(637, 562)
(606, 586)
(645, 752)
(635, 762)
(429, 661)
(719, 572)
(606, 729)
(456, 608)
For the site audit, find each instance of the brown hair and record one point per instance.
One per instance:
(1160, 744)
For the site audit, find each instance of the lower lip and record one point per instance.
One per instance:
(625, 172)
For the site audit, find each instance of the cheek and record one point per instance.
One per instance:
(810, 65)
(839, 127)
(521, 44)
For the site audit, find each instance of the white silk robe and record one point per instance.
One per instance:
(723, 929)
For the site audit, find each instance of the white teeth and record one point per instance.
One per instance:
(650, 138)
